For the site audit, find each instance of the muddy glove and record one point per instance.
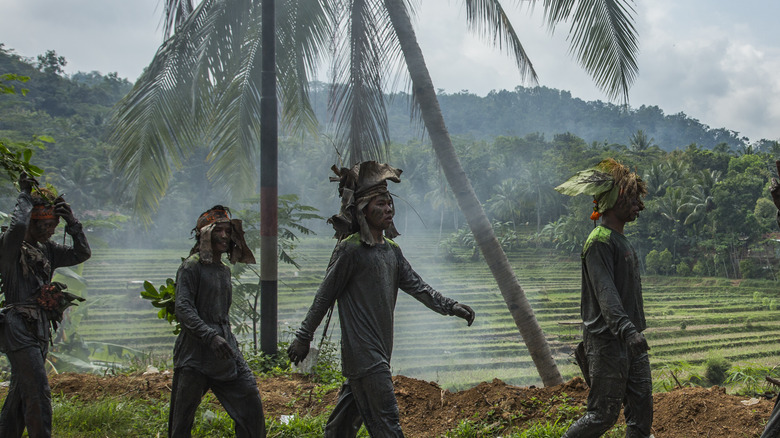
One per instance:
(221, 347)
(637, 344)
(297, 351)
(464, 311)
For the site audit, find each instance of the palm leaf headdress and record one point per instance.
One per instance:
(605, 182)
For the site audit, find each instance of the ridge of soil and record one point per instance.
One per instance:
(429, 411)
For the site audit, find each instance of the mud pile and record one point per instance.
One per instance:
(429, 411)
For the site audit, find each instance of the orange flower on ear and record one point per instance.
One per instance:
(595, 216)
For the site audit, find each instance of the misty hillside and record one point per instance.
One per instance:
(549, 111)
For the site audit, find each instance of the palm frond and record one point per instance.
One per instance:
(603, 38)
(357, 101)
(302, 33)
(176, 13)
(235, 130)
(151, 131)
(489, 20)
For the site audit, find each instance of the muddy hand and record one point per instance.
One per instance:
(297, 351)
(62, 209)
(465, 312)
(637, 344)
(221, 347)
(26, 183)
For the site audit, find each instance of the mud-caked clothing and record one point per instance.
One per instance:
(612, 309)
(203, 298)
(370, 400)
(611, 285)
(364, 281)
(772, 429)
(24, 326)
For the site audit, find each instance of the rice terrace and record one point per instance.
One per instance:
(690, 318)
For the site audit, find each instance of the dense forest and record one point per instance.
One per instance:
(708, 211)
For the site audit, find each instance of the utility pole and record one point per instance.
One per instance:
(269, 190)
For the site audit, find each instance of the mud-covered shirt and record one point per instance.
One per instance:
(204, 294)
(364, 280)
(611, 285)
(25, 324)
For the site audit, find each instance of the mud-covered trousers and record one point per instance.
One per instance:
(28, 402)
(617, 380)
(238, 396)
(370, 400)
(772, 429)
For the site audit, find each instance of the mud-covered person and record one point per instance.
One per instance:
(206, 354)
(617, 365)
(28, 259)
(772, 429)
(365, 272)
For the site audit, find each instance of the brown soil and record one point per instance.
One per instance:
(428, 411)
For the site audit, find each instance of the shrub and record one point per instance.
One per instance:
(700, 269)
(716, 368)
(749, 269)
(652, 262)
(683, 270)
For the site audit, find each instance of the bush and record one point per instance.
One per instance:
(750, 269)
(700, 269)
(683, 270)
(665, 261)
(652, 262)
(716, 368)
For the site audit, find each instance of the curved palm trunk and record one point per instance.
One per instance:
(513, 293)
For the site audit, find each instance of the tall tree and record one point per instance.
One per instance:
(203, 80)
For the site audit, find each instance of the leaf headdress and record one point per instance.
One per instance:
(605, 182)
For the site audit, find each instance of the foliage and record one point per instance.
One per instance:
(750, 379)
(454, 245)
(6, 88)
(264, 364)
(327, 370)
(676, 374)
(163, 297)
(716, 369)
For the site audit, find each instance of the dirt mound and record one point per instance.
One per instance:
(429, 411)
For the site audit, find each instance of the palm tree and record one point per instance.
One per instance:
(505, 202)
(202, 84)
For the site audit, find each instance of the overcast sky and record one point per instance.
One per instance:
(715, 60)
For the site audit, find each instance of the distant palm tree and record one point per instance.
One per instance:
(700, 199)
(506, 201)
(639, 142)
(202, 88)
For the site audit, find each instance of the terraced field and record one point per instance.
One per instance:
(688, 317)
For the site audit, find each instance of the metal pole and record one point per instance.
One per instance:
(269, 202)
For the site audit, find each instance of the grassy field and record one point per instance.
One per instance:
(688, 318)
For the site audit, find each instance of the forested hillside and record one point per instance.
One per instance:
(548, 111)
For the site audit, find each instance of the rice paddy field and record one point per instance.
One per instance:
(689, 318)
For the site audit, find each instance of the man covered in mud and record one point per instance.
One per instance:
(613, 353)
(33, 304)
(206, 354)
(364, 275)
(772, 429)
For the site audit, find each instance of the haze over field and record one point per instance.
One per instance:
(714, 60)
